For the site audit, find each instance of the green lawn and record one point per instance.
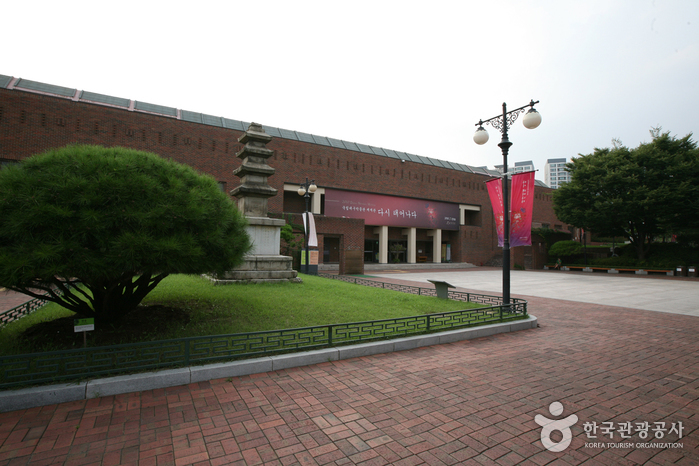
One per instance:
(187, 306)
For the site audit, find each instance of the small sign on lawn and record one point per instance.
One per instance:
(84, 325)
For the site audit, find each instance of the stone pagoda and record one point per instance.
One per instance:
(263, 263)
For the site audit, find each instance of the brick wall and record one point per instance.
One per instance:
(32, 123)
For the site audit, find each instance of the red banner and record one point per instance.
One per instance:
(521, 209)
(521, 206)
(495, 193)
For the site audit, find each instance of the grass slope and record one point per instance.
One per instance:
(187, 306)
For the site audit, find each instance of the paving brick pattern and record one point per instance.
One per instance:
(471, 402)
(10, 299)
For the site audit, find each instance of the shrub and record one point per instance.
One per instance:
(565, 248)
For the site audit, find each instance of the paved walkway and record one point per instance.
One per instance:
(679, 295)
(472, 402)
(10, 299)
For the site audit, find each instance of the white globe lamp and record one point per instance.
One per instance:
(481, 136)
(531, 119)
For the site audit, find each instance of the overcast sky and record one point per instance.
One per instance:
(403, 75)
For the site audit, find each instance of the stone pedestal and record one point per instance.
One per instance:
(261, 269)
(263, 263)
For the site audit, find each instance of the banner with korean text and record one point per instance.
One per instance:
(495, 192)
(379, 209)
(521, 209)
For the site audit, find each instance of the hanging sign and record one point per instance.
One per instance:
(495, 192)
(521, 209)
(521, 206)
(379, 209)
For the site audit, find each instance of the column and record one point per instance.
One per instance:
(382, 231)
(411, 233)
(315, 201)
(436, 245)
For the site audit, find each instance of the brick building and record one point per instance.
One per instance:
(381, 204)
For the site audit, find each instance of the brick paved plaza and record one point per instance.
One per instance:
(472, 402)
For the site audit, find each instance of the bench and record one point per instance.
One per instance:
(583, 268)
(661, 271)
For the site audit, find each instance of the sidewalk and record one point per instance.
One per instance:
(10, 299)
(471, 402)
(650, 292)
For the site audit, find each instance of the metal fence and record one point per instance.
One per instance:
(77, 364)
(519, 304)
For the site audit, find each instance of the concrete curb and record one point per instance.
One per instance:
(33, 397)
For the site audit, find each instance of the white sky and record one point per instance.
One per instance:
(404, 75)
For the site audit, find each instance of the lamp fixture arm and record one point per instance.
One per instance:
(505, 120)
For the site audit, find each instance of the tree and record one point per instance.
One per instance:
(635, 193)
(98, 228)
(679, 198)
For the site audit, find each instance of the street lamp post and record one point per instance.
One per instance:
(305, 190)
(502, 123)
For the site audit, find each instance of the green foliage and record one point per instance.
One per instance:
(634, 193)
(619, 240)
(550, 236)
(292, 242)
(565, 248)
(287, 233)
(116, 220)
(661, 255)
(545, 233)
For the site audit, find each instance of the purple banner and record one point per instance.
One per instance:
(377, 209)
(521, 206)
(521, 209)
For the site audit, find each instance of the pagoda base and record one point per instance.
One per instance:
(260, 269)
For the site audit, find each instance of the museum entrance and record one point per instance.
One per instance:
(331, 250)
(371, 251)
